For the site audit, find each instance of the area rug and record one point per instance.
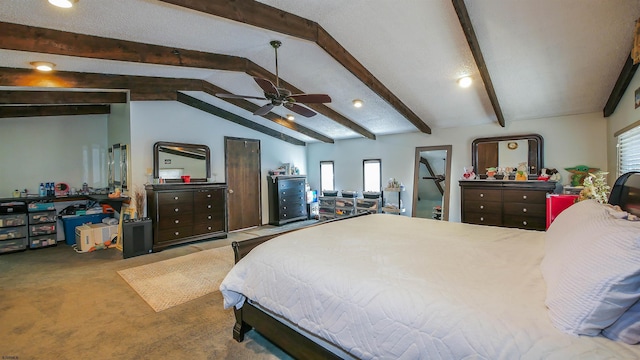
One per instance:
(172, 282)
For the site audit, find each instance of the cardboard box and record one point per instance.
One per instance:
(92, 235)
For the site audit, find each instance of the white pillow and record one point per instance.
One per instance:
(591, 267)
(627, 327)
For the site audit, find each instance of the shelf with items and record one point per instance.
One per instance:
(393, 208)
(327, 207)
(345, 206)
(13, 227)
(368, 205)
(42, 224)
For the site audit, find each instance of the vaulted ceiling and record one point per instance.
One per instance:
(528, 59)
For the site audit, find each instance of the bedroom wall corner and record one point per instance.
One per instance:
(625, 114)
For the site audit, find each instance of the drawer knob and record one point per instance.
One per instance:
(524, 210)
(208, 195)
(177, 221)
(481, 219)
(524, 223)
(175, 198)
(176, 209)
(481, 206)
(209, 217)
(177, 233)
(284, 193)
(284, 215)
(481, 195)
(209, 206)
(524, 197)
(208, 227)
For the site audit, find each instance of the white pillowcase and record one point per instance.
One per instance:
(627, 327)
(591, 267)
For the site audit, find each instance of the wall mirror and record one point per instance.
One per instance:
(508, 151)
(431, 182)
(173, 160)
(118, 166)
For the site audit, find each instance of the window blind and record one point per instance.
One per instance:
(629, 150)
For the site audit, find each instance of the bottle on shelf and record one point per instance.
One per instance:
(43, 190)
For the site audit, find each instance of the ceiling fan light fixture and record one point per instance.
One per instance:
(465, 81)
(290, 117)
(63, 3)
(357, 103)
(43, 65)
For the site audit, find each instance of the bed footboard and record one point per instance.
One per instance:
(286, 338)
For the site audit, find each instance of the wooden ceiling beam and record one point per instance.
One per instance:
(267, 17)
(251, 107)
(470, 34)
(52, 110)
(623, 81)
(61, 97)
(33, 39)
(224, 114)
(141, 87)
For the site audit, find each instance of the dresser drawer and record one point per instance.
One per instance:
(174, 234)
(175, 198)
(173, 210)
(525, 222)
(525, 209)
(208, 196)
(294, 184)
(489, 218)
(481, 206)
(293, 200)
(291, 212)
(208, 227)
(172, 221)
(483, 194)
(524, 196)
(293, 192)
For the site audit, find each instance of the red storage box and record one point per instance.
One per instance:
(556, 204)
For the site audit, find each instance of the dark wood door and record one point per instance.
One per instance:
(242, 158)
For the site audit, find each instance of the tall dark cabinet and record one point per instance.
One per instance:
(287, 199)
(186, 212)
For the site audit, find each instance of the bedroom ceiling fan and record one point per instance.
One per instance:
(280, 96)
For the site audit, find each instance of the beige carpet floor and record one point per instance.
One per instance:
(172, 282)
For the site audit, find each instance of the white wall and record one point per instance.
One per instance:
(153, 121)
(70, 149)
(625, 115)
(568, 141)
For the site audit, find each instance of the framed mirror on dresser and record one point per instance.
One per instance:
(505, 201)
(508, 151)
(172, 161)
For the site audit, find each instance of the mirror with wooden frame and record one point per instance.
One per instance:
(508, 151)
(173, 160)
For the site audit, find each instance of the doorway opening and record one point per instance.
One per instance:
(431, 182)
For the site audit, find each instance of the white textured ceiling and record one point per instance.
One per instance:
(546, 58)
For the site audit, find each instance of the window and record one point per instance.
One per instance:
(629, 149)
(372, 173)
(326, 175)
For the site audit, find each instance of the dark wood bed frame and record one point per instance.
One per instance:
(625, 193)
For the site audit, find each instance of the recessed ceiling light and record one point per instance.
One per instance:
(357, 103)
(63, 3)
(43, 65)
(465, 82)
(290, 117)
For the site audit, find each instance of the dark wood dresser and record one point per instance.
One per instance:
(186, 212)
(509, 203)
(287, 199)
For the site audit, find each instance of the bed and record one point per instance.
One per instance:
(391, 287)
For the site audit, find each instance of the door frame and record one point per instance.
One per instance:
(447, 180)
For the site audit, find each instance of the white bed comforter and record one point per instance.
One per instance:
(393, 287)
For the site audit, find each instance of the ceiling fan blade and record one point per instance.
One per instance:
(267, 86)
(299, 109)
(233, 96)
(263, 110)
(311, 98)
